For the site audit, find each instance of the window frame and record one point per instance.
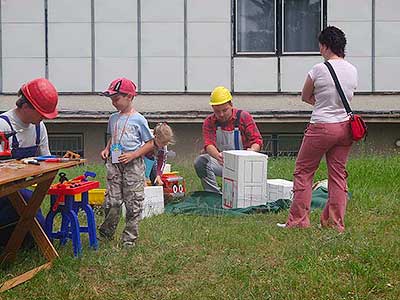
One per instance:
(279, 32)
(81, 137)
(283, 30)
(274, 142)
(236, 34)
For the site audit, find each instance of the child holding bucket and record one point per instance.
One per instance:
(155, 159)
(131, 138)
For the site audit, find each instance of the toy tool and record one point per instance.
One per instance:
(5, 151)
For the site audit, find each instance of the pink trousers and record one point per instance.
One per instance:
(334, 141)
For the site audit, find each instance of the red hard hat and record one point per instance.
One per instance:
(42, 94)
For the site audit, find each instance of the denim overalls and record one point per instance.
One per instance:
(18, 152)
(207, 167)
(229, 140)
(8, 215)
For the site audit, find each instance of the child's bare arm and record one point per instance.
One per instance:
(129, 156)
(106, 151)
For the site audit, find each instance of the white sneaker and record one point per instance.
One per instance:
(128, 245)
(281, 225)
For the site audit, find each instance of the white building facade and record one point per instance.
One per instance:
(187, 47)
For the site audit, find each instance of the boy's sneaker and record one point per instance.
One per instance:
(281, 225)
(128, 245)
(103, 238)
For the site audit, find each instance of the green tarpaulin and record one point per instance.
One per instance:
(207, 204)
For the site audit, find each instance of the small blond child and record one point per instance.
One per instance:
(163, 136)
(130, 139)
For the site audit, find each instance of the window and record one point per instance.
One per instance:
(255, 26)
(282, 144)
(278, 26)
(59, 143)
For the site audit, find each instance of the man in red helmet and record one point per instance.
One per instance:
(37, 100)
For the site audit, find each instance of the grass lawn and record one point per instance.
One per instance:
(194, 257)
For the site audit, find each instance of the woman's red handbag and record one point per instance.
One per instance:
(358, 126)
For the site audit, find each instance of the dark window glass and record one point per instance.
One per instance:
(282, 144)
(59, 143)
(301, 23)
(256, 26)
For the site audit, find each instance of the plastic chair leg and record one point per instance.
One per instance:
(65, 228)
(48, 225)
(76, 239)
(91, 221)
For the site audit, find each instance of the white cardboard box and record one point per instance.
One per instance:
(244, 179)
(153, 203)
(279, 189)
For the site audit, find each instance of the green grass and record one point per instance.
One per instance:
(193, 257)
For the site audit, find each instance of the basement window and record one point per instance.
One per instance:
(282, 144)
(59, 143)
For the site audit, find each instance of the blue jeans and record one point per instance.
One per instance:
(208, 168)
(9, 218)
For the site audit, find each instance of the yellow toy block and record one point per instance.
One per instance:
(96, 196)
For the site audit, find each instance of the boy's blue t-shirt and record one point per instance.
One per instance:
(136, 133)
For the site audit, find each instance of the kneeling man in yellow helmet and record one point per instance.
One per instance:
(228, 128)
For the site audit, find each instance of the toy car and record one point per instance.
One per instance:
(174, 185)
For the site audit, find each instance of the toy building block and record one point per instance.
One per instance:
(70, 154)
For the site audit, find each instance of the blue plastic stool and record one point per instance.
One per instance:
(70, 228)
(90, 229)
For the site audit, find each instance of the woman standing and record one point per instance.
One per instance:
(328, 133)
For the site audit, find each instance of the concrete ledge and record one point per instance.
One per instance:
(194, 108)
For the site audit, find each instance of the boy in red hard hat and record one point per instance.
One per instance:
(37, 100)
(130, 139)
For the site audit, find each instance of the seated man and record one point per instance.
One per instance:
(226, 129)
(37, 101)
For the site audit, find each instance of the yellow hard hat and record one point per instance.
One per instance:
(220, 95)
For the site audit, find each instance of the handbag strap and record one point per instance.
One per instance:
(339, 88)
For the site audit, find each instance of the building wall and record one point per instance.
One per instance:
(22, 43)
(115, 41)
(94, 137)
(381, 139)
(162, 37)
(387, 45)
(181, 46)
(177, 46)
(356, 22)
(189, 140)
(208, 44)
(69, 44)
